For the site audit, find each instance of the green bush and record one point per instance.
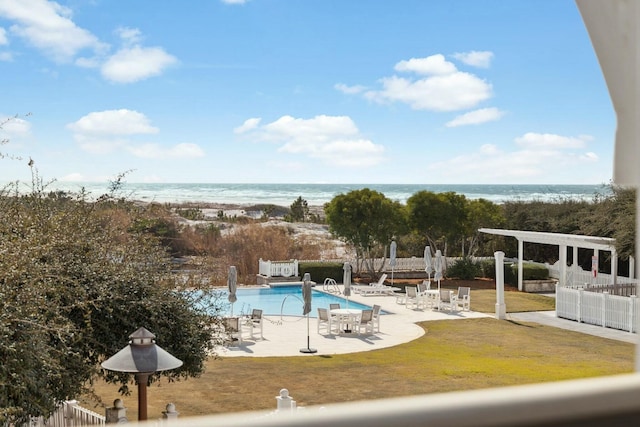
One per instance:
(488, 268)
(322, 270)
(465, 269)
(532, 271)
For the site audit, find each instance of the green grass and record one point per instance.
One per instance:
(452, 355)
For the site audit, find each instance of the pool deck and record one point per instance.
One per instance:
(286, 336)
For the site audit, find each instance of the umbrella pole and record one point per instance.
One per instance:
(308, 349)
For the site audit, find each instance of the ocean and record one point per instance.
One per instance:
(319, 194)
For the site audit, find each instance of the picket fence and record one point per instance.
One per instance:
(69, 414)
(597, 308)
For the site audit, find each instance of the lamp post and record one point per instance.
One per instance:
(141, 357)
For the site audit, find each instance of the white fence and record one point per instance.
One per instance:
(580, 277)
(603, 309)
(278, 268)
(69, 414)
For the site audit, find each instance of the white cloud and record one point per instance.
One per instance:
(335, 140)
(476, 117)
(155, 151)
(433, 65)
(590, 156)
(349, 90)
(448, 92)
(6, 56)
(102, 132)
(129, 36)
(129, 65)
(529, 162)
(439, 86)
(547, 140)
(3, 37)
(248, 125)
(234, 1)
(480, 59)
(113, 122)
(48, 26)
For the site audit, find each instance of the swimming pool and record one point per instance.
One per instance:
(285, 300)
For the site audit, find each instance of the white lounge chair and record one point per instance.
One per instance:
(380, 281)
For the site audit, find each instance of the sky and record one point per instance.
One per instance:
(291, 91)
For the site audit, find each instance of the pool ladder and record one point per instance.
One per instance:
(330, 286)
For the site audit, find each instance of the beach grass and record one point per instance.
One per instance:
(451, 356)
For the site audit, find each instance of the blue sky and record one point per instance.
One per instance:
(286, 91)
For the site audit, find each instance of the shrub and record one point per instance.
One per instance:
(322, 270)
(465, 269)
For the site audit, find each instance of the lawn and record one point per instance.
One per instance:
(451, 356)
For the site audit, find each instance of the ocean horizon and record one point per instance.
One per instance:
(319, 194)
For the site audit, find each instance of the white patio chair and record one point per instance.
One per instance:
(376, 317)
(463, 299)
(413, 299)
(233, 330)
(447, 300)
(255, 322)
(366, 322)
(325, 321)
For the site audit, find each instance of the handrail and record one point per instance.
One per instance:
(608, 400)
(330, 286)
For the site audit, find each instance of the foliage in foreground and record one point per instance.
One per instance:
(75, 281)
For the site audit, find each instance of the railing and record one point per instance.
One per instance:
(278, 268)
(602, 309)
(69, 414)
(602, 401)
(580, 277)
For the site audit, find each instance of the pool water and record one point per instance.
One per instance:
(286, 300)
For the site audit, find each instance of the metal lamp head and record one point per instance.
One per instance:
(142, 355)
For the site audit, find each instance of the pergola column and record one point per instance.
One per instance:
(520, 263)
(562, 260)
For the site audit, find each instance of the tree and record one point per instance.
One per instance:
(366, 219)
(480, 213)
(75, 280)
(299, 211)
(440, 217)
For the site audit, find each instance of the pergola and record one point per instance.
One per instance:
(563, 241)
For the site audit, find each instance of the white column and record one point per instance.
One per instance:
(574, 265)
(501, 308)
(562, 260)
(614, 267)
(632, 267)
(520, 257)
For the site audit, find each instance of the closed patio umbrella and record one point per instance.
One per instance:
(346, 281)
(232, 284)
(428, 262)
(392, 257)
(439, 266)
(306, 308)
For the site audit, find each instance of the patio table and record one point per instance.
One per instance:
(348, 318)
